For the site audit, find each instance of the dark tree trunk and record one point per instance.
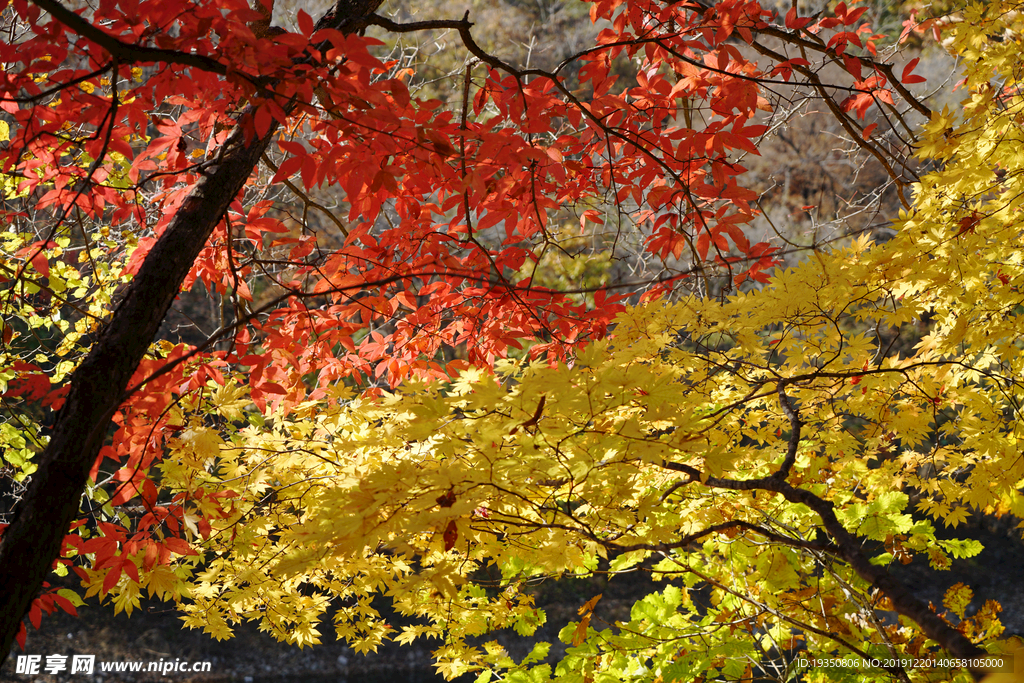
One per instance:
(41, 519)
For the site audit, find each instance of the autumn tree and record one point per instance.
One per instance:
(397, 395)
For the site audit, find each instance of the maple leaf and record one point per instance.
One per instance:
(969, 224)
(451, 535)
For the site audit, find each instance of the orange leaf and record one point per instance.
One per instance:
(580, 634)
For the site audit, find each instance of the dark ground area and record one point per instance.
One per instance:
(155, 633)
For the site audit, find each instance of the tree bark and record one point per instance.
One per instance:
(41, 519)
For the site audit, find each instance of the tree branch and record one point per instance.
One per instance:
(845, 545)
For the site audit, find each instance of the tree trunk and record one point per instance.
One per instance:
(41, 519)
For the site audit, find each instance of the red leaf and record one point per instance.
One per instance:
(128, 567)
(35, 615)
(262, 120)
(969, 224)
(273, 388)
(451, 534)
(399, 91)
(703, 242)
(853, 65)
(287, 169)
(152, 556)
(178, 546)
(111, 578)
(908, 76)
(794, 22)
(65, 604)
(41, 264)
(479, 100)
(851, 16)
(305, 23)
(859, 103)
